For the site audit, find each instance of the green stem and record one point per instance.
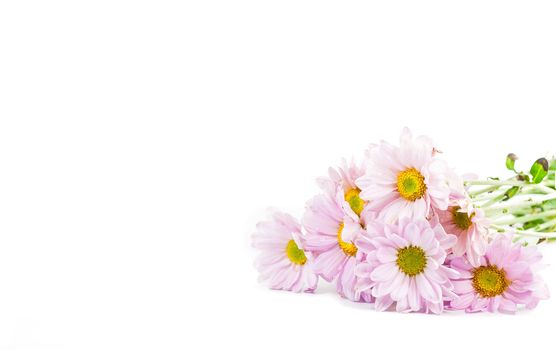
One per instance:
(486, 189)
(494, 200)
(527, 233)
(486, 196)
(525, 218)
(507, 207)
(494, 183)
(548, 224)
(544, 188)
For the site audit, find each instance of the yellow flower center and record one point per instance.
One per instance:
(489, 281)
(411, 260)
(411, 184)
(461, 220)
(355, 202)
(348, 247)
(296, 255)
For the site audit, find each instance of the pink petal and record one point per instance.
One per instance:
(328, 264)
(401, 292)
(384, 272)
(463, 287)
(412, 234)
(413, 296)
(386, 254)
(463, 301)
(383, 303)
(427, 291)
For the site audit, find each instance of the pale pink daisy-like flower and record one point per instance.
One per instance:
(405, 181)
(470, 226)
(283, 264)
(341, 183)
(456, 183)
(506, 277)
(332, 228)
(403, 265)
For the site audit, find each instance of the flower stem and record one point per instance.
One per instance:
(496, 183)
(494, 200)
(546, 225)
(525, 218)
(527, 232)
(505, 208)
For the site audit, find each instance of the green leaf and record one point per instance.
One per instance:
(539, 170)
(510, 161)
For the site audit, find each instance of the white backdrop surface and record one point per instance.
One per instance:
(140, 142)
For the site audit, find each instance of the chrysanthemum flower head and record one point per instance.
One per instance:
(405, 181)
(341, 183)
(403, 265)
(506, 277)
(332, 224)
(283, 264)
(470, 227)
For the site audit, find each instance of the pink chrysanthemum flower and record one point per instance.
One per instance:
(405, 181)
(341, 183)
(506, 277)
(332, 224)
(283, 264)
(470, 227)
(404, 265)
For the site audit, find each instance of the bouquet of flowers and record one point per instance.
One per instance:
(402, 231)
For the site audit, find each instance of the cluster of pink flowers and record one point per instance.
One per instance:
(400, 232)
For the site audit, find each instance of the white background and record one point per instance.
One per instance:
(140, 142)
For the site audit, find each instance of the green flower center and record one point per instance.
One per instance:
(489, 281)
(355, 202)
(296, 255)
(348, 248)
(411, 184)
(461, 220)
(411, 260)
